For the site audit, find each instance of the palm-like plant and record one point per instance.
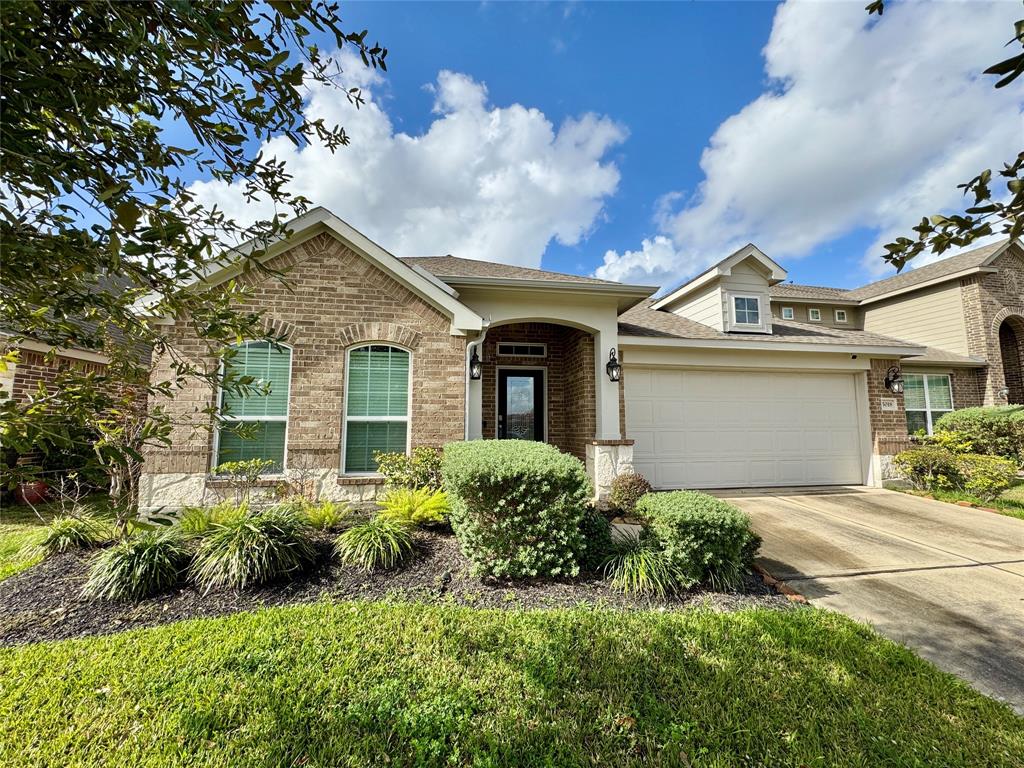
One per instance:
(416, 506)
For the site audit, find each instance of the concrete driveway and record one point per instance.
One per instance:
(945, 580)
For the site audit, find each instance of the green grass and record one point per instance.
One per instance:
(1010, 503)
(374, 684)
(21, 530)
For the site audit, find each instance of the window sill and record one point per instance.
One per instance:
(267, 481)
(361, 480)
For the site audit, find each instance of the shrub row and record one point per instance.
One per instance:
(992, 431)
(933, 467)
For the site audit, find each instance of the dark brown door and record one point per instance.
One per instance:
(521, 404)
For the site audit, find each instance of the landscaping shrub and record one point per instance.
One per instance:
(139, 566)
(252, 549)
(928, 467)
(704, 539)
(320, 515)
(379, 543)
(597, 542)
(627, 489)
(516, 506)
(996, 431)
(415, 506)
(421, 469)
(985, 476)
(639, 566)
(197, 521)
(69, 532)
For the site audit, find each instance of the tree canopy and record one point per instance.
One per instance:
(95, 207)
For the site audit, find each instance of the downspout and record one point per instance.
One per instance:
(479, 341)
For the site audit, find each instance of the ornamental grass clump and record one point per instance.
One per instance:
(378, 544)
(705, 540)
(517, 506)
(252, 549)
(638, 566)
(68, 532)
(138, 566)
(197, 521)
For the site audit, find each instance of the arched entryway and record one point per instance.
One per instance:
(1011, 350)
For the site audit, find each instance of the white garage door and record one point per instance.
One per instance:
(732, 429)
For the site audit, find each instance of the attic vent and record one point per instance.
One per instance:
(522, 350)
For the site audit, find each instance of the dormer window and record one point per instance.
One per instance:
(746, 310)
(814, 315)
(787, 313)
(841, 316)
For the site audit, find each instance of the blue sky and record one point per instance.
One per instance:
(571, 136)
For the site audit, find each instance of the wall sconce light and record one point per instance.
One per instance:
(613, 367)
(475, 366)
(894, 380)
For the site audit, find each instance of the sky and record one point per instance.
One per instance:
(643, 142)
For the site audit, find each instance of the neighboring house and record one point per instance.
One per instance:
(717, 385)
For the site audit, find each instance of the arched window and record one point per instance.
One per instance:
(376, 405)
(255, 424)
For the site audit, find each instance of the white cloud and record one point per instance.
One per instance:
(484, 182)
(866, 123)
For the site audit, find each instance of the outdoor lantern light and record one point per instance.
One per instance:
(475, 368)
(894, 381)
(613, 367)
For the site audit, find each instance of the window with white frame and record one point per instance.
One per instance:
(787, 313)
(841, 316)
(376, 405)
(814, 315)
(926, 396)
(746, 310)
(254, 417)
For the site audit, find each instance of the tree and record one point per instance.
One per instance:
(96, 209)
(987, 214)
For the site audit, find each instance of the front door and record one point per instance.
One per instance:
(521, 404)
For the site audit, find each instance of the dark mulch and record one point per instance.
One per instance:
(43, 602)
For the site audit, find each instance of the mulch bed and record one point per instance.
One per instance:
(44, 602)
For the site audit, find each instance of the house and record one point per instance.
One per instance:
(735, 378)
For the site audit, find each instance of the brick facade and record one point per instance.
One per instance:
(333, 299)
(888, 427)
(990, 300)
(568, 374)
(33, 369)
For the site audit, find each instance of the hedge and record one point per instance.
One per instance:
(517, 506)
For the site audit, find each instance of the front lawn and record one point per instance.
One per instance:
(21, 529)
(1009, 503)
(362, 683)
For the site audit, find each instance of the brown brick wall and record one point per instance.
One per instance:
(332, 299)
(989, 300)
(569, 380)
(33, 369)
(888, 428)
(968, 387)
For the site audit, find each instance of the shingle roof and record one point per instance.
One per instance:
(949, 266)
(641, 320)
(797, 291)
(454, 267)
(936, 356)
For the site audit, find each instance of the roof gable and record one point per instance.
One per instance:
(773, 272)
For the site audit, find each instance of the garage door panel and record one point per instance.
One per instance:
(706, 429)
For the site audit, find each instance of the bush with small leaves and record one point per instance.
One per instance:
(253, 549)
(627, 489)
(639, 566)
(706, 540)
(517, 506)
(597, 542)
(415, 506)
(67, 532)
(421, 469)
(138, 566)
(998, 431)
(378, 544)
(985, 476)
(928, 467)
